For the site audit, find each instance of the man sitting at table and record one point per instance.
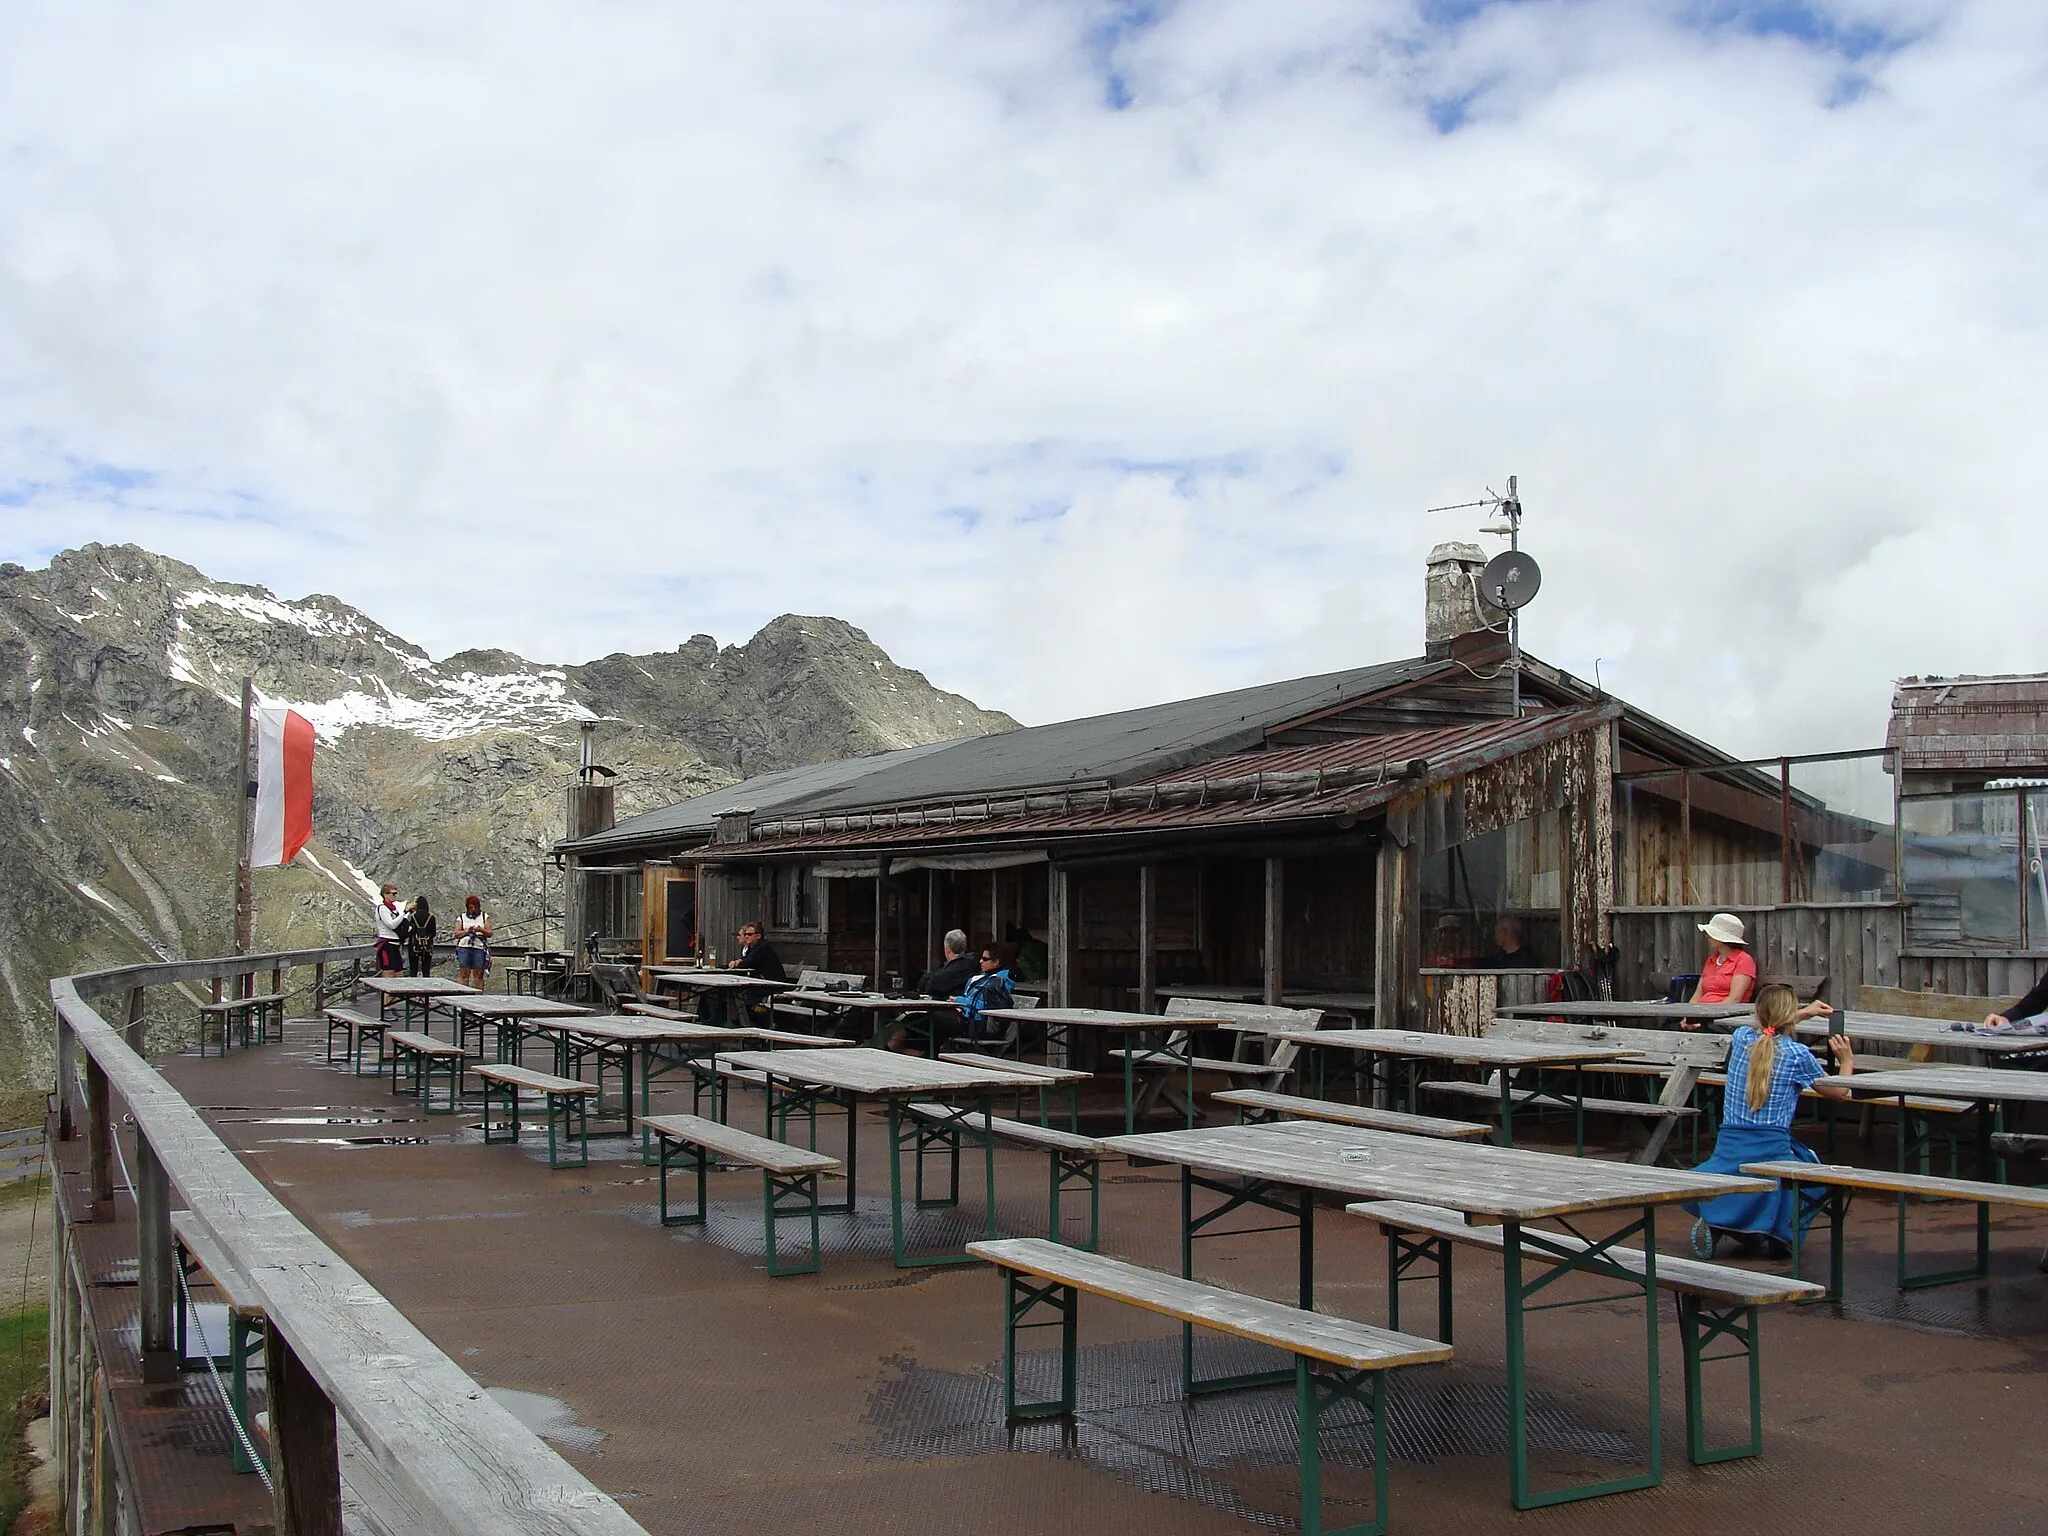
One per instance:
(1509, 953)
(757, 956)
(943, 982)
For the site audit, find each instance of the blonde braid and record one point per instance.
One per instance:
(1777, 1010)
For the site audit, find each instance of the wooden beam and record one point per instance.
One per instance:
(1148, 938)
(305, 1461)
(875, 977)
(99, 1126)
(1060, 939)
(1276, 900)
(153, 1264)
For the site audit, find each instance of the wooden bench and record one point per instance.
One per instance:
(417, 1058)
(1825, 1189)
(234, 1013)
(1249, 1022)
(568, 1104)
(354, 1025)
(818, 981)
(1335, 1360)
(247, 1321)
(1052, 1079)
(1678, 1057)
(1075, 1161)
(1716, 1302)
(1255, 1106)
(787, 1173)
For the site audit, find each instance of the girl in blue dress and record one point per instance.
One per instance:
(1767, 1070)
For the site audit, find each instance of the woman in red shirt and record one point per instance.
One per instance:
(1728, 974)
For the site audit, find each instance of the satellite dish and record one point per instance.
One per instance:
(1510, 579)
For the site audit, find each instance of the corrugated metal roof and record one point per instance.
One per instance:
(1990, 723)
(1246, 790)
(1120, 748)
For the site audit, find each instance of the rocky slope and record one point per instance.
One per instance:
(120, 681)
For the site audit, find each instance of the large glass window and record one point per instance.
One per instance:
(1495, 900)
(1811, 829)
(1963, 869)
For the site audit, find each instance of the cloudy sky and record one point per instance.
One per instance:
(1083, 353)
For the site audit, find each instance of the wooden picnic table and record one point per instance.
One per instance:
(879, 1006)
(1356, 1004)
(1279, 1167)
(1617, 1011)
(726, 989)
(413, 993)
(1900, 1029)
(1984, 1089)
(798, 1081)
(503, 1009)
(1059, 1024)
(1412, 1047)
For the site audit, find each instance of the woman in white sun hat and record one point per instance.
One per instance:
(1728, 974)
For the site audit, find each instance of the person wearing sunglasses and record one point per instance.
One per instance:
(990, 988)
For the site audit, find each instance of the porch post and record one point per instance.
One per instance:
(1148, 938)
(1276, 891)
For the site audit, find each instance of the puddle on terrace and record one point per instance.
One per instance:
(549, 1417)
(352, 1141)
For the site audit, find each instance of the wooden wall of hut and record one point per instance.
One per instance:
(1855, 945)
(728, 895)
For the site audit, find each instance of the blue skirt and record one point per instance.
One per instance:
(1765, 1215)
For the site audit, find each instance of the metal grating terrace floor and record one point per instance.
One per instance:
(709, 1398)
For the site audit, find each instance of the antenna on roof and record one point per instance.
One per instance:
(1511, 578)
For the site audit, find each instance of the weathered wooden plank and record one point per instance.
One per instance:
(91, 984)
(424, 1045)
(741, 1146)
(527, 1077)
(471, 1468)
(1387, 1165)
(1483, 1052)
(1661, 1047)
(1976, 1084)
(1023, 1132)
(1048, 1075)
(1339, 1341)
(2033, 1197)
(1354, 1114)
(1723, 1282)
(880, 1073)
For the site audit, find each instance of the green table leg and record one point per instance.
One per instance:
(1258, 1194)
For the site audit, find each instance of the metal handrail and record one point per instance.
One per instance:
(464, 1464)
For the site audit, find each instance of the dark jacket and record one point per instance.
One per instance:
(2034, 1002)
(762, 961)
(949, 980)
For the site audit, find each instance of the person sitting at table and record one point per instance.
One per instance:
(1728, 974)
(472, 943)
(392, 927)
(990, 988)
(1508, 953)
(943, 982)
(757, 956)
(1767, 1069)
(2032, 1006)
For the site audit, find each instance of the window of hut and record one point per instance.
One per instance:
(1495, 900)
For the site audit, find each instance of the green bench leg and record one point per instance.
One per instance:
(1419, 1258)
(565, 1118)
(1317, 1389)
(775, 1188)
(1021, 1297)
(1069, 1171)
(926, 1137)
(1258, 1195)
(508, 1095)
(699, 1162)
(1699, 1326)
(1814, 1202)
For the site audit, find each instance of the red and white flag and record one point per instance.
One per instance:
(284, 786)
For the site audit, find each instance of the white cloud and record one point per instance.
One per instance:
(580, 329)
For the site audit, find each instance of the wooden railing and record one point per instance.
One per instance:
(439, 1453)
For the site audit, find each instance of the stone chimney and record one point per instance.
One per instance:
(1452, 609)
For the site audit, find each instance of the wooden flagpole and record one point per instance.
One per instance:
(245, 838)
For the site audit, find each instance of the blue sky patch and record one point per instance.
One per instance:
(1120, 23)
(1802, 21)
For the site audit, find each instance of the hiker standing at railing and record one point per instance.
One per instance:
(419, 943)
(472, 943)
(392, 927)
